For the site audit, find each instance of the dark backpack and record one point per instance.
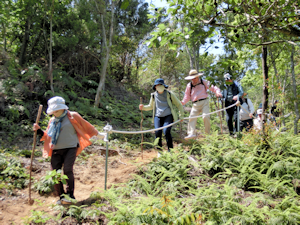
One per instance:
(192, 86)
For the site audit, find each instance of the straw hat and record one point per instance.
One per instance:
(193, 74)
(56, 103)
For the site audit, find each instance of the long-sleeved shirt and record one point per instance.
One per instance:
(84, 131)
(199, 91)
(243, 114)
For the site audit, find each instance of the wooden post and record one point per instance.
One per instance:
(30, 201)
(141, 102)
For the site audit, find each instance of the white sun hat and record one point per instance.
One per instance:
(193, 74)
(56, 103)
(259, 111)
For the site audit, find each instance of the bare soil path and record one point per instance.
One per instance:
(89, 177)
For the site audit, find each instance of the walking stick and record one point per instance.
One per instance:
(217, 104)
(30, 201)
(141, 101)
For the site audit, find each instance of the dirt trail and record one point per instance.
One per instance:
(89, 177)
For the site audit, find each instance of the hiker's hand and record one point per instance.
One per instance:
(250, 115)
(235, 98)
(36, 127)
(219, 95)
(141, 106)
(182, 103)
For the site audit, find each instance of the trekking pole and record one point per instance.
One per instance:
(30, 201)
(217, 105)
(141, 101)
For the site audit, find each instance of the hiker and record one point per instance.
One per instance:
(233, 91)
(162, 103)
(196, 91)
(66, 136)
(257, 123)
(246, 118)
(275, 112)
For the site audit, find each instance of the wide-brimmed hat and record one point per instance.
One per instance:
(227, 76)
(259, 111)
(193, 74)
(56, 103)
(159, 81)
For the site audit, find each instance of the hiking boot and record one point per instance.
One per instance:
(59, 202)
(190, 136)
(67, 199)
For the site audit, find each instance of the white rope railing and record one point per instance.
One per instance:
(108, 128)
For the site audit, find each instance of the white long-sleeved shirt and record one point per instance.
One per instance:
(243, 114)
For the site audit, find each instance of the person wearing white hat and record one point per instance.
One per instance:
(257, 122)
(196, 91)
(66, 136)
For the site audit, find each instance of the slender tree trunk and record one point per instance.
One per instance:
(4, 36)
(105, 57)
(265, 87)
(294, 91)
(50, 58)
(22, 60)
(273, 76)
(283, 92)
(190, 56)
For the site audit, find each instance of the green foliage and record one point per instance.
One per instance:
(12, 172)
(56, 177)
(46, 184)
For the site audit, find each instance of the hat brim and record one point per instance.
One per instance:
(191, 77)
(153, 87)
(54, 108)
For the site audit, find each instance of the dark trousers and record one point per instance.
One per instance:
(247, 124)
(64, 157)
(231, 115)
(161, 122)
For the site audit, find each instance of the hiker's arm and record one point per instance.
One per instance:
(149, 106)
(187, 95)
(251, 107)
(178, 104)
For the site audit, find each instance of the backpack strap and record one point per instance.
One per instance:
(201, 82)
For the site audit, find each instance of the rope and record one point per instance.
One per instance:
(108, 127)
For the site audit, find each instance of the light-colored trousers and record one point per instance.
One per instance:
(197, 109)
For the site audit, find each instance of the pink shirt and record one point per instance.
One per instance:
(199, 91)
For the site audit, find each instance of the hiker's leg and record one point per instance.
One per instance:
(167, 131)
(192, 122)
(69, 160)
(235, 118)
(158, 134)
(249, 124)
(229, 115)
(56, 164)
(206, 118)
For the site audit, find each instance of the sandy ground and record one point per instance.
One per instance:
(89, 177)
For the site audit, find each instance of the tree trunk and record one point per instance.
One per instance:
(22, 60)
(4, 36)
(105, 57)
(265, 85)
(283, 92)
(190, 56)
(50, 59)
(273, 76)
(294, 91)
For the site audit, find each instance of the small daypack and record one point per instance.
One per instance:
(192, 86)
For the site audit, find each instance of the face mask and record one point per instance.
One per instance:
(160, 88)
(228, 82)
